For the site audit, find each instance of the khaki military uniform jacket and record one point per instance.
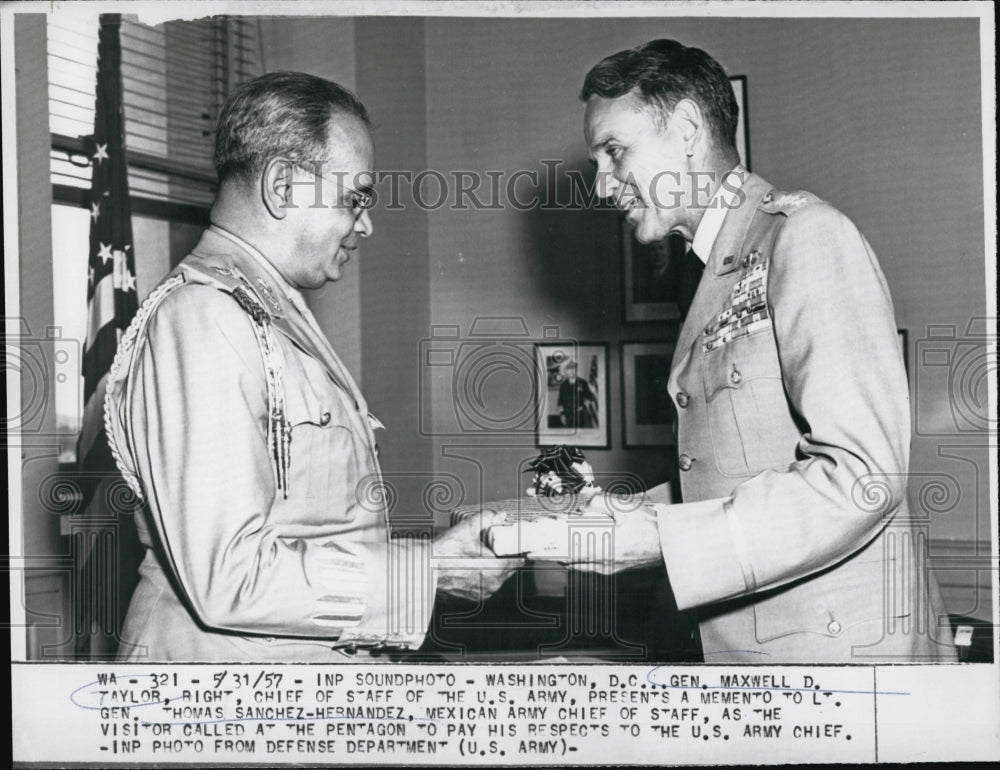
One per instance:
(265, 525)
(795, 541)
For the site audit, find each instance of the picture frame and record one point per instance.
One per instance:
(576, 415)
(651, 277)
(648, 414)
(739, 84)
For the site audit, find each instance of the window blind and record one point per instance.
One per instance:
(175, 78)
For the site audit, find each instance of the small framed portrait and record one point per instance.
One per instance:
(739, 84)
(572, 394)
(647, 408)
(652, 277)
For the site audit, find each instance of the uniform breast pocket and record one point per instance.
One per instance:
(328, 463)
(747, 407)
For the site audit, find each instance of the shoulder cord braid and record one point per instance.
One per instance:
(123, 359)
(279, 430)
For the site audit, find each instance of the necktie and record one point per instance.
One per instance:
(691, 271)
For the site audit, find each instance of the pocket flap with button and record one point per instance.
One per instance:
(304, 405)
(738, 362)
(830, 603)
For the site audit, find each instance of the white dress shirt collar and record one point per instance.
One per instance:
(724, 199)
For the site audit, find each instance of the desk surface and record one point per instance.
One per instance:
(627, 617)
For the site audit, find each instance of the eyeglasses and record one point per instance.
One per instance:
(358, 201)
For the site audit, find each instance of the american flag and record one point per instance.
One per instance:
(112, 299)
(592, 377)
(106, 546)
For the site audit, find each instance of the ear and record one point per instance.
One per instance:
(688, 120)
(276, 187)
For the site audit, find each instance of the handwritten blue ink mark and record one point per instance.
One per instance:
(652, 671)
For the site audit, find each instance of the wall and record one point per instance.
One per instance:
(504, 100)
(395, 285)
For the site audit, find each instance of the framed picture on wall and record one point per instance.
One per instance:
(739, 83)
(647, 409)
(572, 394)
(651, 277)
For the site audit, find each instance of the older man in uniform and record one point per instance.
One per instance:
(249, 441)
(794, 542)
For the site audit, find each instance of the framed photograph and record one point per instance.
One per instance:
(652, 277)
(648, 411)
(739, 83)
(573, 394)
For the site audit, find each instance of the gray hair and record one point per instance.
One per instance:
(281, 114)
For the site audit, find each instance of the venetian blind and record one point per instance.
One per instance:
(175, 76)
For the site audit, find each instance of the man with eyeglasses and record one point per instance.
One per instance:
(246, 437)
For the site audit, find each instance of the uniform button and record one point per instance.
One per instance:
(834, 627)
(768, 198)
(735, 376)
(685, 462)
(324, 418)
(682, 399)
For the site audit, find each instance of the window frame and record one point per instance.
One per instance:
(153, 207)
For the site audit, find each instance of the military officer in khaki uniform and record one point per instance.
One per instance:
(794, 542)
(250, 443)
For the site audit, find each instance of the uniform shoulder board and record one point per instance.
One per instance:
(216, 271)
(229, 279)
(783, 202)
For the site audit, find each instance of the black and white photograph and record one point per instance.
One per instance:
(572, 394)
(551, 383)
(652, 277)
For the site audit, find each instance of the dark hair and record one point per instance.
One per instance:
(284, 114)
(661, 73)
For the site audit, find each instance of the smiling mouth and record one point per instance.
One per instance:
(629, 202)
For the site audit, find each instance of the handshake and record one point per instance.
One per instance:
(483, 549)
(565, 519)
